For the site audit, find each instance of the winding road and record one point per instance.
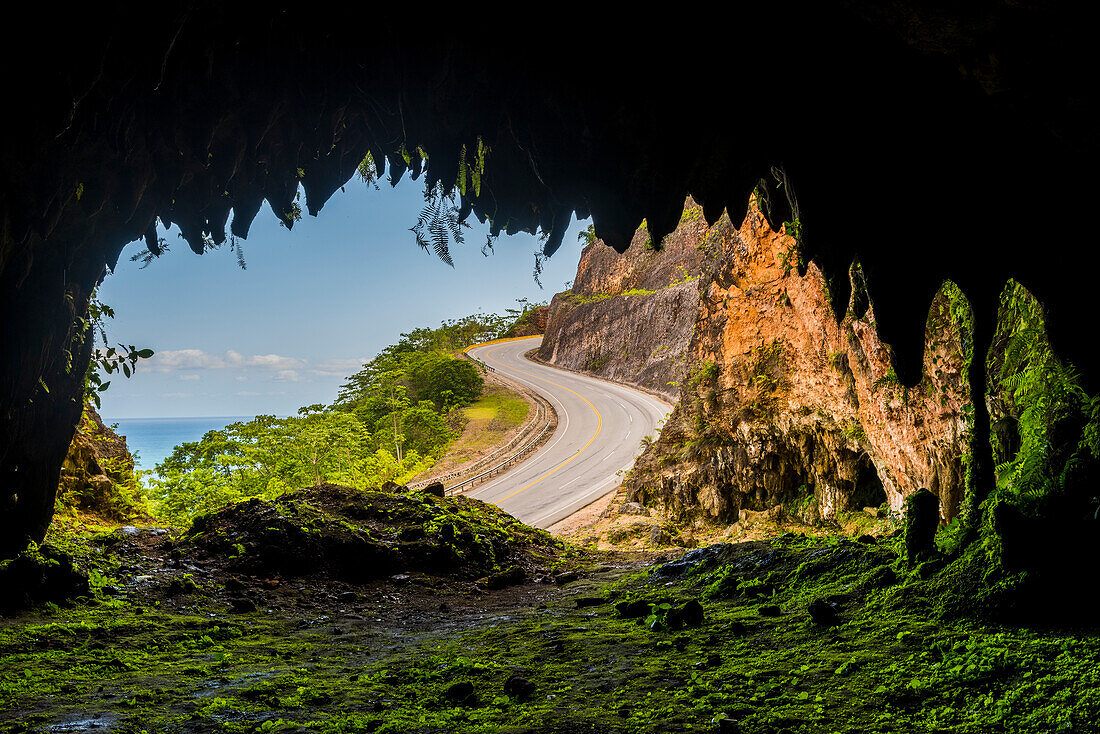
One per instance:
(599, 434)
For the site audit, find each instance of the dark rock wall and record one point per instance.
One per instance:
(920, 117)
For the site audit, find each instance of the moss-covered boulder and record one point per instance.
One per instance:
(37, 574)
(359, 535)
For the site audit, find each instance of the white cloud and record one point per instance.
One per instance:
(338, 367)
(196, 359)
(177, 394)
(189, 378)
(287, 376)
(247, 393)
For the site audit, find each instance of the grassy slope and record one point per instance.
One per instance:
(488, 421)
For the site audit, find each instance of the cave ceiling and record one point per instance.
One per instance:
(928, 140)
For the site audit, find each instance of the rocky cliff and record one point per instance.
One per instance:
(779, 403)
(629, 317)
(531, 322)
(783, 405)
(98, 473)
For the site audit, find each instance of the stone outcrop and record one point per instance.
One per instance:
(783, 405)
(629, 318)
(778, 403)
(531, 323)
(97, 475)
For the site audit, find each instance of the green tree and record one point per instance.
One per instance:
(268, 456)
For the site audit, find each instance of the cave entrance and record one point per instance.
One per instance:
(308, 310)
(868, 490)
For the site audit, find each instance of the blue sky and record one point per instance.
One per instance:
(311, 306)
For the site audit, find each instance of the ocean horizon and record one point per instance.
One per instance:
(152, 440)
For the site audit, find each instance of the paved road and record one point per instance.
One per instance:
(599, 434)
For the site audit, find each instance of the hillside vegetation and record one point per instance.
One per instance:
(392, 420)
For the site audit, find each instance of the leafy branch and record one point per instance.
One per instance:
(439, 224)
(109, 360)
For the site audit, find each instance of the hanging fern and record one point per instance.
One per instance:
(146, 256)
(370, 171)
(439, 224)
(471, 169)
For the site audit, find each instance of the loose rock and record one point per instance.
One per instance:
(508, 577)
(461, 692)
(689, 615)
(823, 613)
(633, 508)
(242, 605)
(518, 687)
(633, 609)
(922, 518)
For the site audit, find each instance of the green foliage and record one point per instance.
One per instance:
(521, 317)
(401, 377)
(853, 431)
(268, 456)
(471, 169)
(588, 236)
(107, 361)
(1045, 393)
(439, 224)
(706, 372)
(658, 616)
(369, 170)
(792, 256)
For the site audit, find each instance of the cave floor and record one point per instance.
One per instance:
(415, 653)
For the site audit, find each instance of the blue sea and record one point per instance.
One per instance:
(151, 440)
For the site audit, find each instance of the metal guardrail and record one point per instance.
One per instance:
(511, 459)
(479, 362)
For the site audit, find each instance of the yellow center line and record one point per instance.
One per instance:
(599, 424)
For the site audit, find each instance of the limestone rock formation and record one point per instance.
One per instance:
(97, 475)
(779, 404)
(531, 323)
(784, 405)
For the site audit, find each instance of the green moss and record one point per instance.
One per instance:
(910, 653)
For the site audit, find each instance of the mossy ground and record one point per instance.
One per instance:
(322, 655)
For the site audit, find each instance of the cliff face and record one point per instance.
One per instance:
(629, 317)
(778, 403)
(785, 405)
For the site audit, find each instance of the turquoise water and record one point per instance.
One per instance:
(152, 439)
